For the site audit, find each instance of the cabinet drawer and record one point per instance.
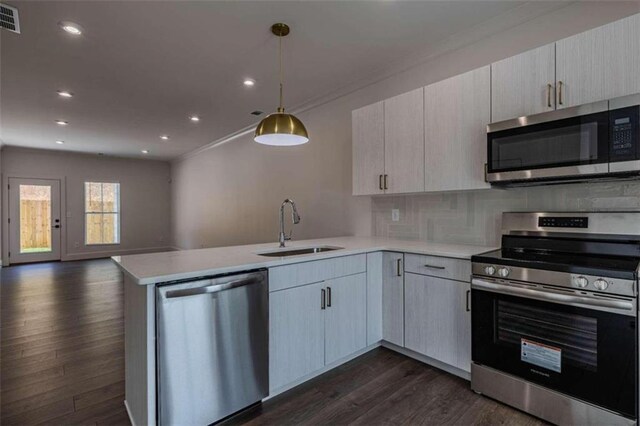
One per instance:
(443, 267)
(287, 276)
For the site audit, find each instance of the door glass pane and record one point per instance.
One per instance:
(35, 218)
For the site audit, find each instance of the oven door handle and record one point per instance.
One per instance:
(623, 306)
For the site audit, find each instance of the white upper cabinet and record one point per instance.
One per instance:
(368, 149)
(523, 84)
(404, 143)
(456, 113)
(599, 64)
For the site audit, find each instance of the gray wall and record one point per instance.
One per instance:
(144, 196)
(230, 194)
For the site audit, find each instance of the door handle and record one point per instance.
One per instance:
(328, 297)
(398, 264)
(56, 226)
(323, 298)
(434, 267)
(380, 182)
(560, 92)
(467, 296)
(386, 181)
(549, 87)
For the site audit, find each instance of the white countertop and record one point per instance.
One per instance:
(154, 268)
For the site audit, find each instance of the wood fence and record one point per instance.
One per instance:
(35, 225)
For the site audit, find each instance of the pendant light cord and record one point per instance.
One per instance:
(281, 108)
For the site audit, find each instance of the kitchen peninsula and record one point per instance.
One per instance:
(324, 308)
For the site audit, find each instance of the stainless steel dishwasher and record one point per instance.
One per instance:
(212, 347)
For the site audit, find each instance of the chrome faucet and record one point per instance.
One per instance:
(295, 217)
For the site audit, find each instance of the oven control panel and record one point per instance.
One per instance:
(563, 222)
(512, 275)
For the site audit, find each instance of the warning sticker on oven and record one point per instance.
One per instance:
(544, 356)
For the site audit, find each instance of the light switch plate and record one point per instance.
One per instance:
(395, 215)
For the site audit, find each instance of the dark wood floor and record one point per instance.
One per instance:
(62, 363)
(62, 344)
(383, 387)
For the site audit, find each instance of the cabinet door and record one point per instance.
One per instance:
(404, 142)
(393, 298)
(296, 334)
(457, 111)
(374, 297)
(368, 149)
(345, 316)
(463, 304)
(437, 323)
(599, 64)
(524, 84)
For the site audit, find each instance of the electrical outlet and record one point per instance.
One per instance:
(76, 244)
(395, 215)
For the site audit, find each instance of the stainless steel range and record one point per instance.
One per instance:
(554, 318)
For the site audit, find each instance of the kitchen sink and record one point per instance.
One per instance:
(298, 251)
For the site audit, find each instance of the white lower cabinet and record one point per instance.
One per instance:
(296, 334)
(345, 316)
(314, 325)
(438, 319)
(393, 298)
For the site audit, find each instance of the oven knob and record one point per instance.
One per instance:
(581, 281)
(503, 272)
(489, 270)
(601, 284)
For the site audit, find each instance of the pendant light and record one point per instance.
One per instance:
(280, 129)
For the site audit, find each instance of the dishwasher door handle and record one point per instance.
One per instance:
(212, 288)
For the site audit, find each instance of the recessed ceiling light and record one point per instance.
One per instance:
(145, 151)
(60, 142)
(164, 137)
(62, 122)
(71, 27)
(65, 94)
(249, 82)
(194, 118)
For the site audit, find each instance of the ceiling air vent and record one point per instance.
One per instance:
(9, 18)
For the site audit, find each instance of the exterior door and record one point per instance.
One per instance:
(34, 220)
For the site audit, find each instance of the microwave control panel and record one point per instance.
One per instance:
(625, 134)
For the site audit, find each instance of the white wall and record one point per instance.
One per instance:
(144, 197)
(230, 194)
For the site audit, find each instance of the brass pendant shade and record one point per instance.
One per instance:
(279, 128)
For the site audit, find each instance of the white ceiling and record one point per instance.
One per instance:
(141, 68)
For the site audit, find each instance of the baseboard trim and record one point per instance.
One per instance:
(109, 253)
(126, 406)
(428, 360)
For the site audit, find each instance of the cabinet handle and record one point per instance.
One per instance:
(328, 297)
(386, 181)
(560, 92)
(398, 265)
(434, 267)
(549, 87)
(323, 298)
(468, 307)
(380, 182)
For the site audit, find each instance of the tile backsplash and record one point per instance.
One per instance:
(474, 217)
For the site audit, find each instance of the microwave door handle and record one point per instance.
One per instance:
(216, 288)
(620, 305)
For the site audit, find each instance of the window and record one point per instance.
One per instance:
(102, 213)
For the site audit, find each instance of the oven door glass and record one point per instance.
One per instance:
(584, 353)
(572, 141)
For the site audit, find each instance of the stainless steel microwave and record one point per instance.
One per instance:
(597, 140)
